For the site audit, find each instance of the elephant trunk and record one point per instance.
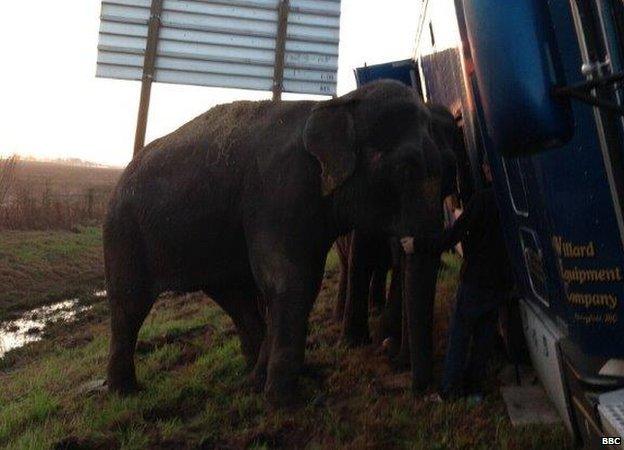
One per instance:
(419, 285)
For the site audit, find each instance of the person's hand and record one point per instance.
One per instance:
(408, 245)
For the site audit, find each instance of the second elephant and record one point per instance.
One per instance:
(366, 259)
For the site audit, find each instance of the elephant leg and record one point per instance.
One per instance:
(395, 323)
(362, 259)
(342, 246)
(127, 315)
(403, 358)
(392, 315)
(130, 300)
(419, 286)
(252, 336)
(243, 308)
(377, 289)
(377, 298)
(288, 330)
(290, 279)
(257, 377)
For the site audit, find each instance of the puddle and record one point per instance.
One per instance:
(30, 325)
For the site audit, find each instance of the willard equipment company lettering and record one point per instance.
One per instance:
(591, 300)
(590, 288)
(569, 250)
(581, 276)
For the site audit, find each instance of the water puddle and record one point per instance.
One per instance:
(30, 325)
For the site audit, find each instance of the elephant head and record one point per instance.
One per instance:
(379, 164)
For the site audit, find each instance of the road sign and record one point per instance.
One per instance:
(226, 43)
(273, 45)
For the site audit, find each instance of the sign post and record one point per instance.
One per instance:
(149, 64)
(280, 49)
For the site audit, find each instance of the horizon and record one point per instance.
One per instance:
(51, 76)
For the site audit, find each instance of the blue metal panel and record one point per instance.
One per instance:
(403, 71)
(580, 213)
(567, 248)
(517, 64)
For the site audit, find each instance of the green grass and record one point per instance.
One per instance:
(190, 365)
(332, 262)
(38, 267)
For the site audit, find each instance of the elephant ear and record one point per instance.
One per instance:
(329, 135)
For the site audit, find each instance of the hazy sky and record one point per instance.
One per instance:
(51, 104)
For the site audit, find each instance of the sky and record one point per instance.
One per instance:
(52, 106)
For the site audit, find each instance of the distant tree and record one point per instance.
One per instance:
(7, 175)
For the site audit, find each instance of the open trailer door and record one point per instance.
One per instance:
(404, 71)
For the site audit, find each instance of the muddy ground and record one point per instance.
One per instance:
(192, 371)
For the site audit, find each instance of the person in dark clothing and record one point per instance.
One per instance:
(485, 283)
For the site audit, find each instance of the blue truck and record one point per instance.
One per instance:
(535, 86)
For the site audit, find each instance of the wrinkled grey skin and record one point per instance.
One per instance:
(367, 257)
(244, 203)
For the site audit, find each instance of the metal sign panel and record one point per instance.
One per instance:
(223, 43)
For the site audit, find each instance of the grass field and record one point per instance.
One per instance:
(38, 267)
(37, 195)
(192, 371)
(69, 177)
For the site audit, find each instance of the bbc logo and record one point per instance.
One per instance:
(611, 441)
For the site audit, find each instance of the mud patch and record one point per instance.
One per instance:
(29, 327)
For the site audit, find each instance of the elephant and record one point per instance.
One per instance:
(244, 203)
(366, 258)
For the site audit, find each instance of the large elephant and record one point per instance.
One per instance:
(245, 201)
(367, 257)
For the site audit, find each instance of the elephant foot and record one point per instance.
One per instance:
(257, 378)
(280, 389)
(123, 387)
(281, 394)
(121, 377)
(255, 381)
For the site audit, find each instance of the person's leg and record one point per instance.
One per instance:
(457, 348)
(484, 338)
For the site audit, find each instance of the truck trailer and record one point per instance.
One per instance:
(535, 87)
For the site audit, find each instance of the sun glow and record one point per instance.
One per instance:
(52, 106)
